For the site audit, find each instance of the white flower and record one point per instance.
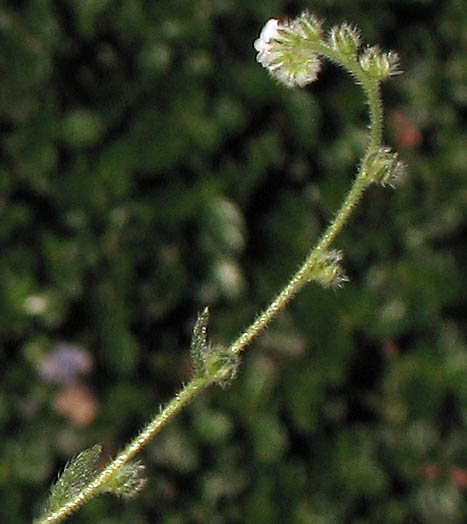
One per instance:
(269, 32)
(285, 49)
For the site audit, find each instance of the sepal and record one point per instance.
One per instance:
(384, 167)
(214, 363)
(346, 39)
(222, 366)
(307, 26)
(127, 481)
(379, 65)
(327, 269)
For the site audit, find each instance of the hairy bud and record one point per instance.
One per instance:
(284, 49)
(345, 38)
(379, 65)
(383, 166)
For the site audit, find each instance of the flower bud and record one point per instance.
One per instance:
(327, 269)
(126, 481)
(307, 26)
(222, 366)
(383, 166)
(379, 65)
(345, 38)
(284, 49)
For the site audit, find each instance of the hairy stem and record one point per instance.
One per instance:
(175, 405)
(304, 274)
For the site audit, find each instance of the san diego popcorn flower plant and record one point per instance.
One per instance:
(291, 51)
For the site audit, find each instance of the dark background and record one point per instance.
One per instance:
(150, 167)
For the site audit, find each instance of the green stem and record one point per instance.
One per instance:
(361, 182)
(372, 91)
(166, 415)
(298, 280)
(302, 276)
(370, 86)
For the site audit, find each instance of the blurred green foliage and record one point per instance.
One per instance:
(149, 168)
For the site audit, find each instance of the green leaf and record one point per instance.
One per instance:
(199, 347)
(211, 361)
(78, 473)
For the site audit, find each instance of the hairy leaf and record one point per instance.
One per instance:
(199, 342)
(78, 473)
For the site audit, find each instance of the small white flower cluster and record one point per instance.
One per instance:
(288, 50)
(283, 49)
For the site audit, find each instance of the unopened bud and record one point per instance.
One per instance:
(383, 166)
(379, 65)
(345, 38)
(327, 269)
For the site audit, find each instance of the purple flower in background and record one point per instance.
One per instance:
(64, 363)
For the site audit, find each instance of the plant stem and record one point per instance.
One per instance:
(94, 488)
(185, 395)
(302, 276)
(361, 182)
(296, 283)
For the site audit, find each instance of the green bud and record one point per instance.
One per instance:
(222, 366)
(379, 65)
(327, 269)
(127, 481)
(308, 26)
(345, 39)
(383, 166)
(213, 362)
